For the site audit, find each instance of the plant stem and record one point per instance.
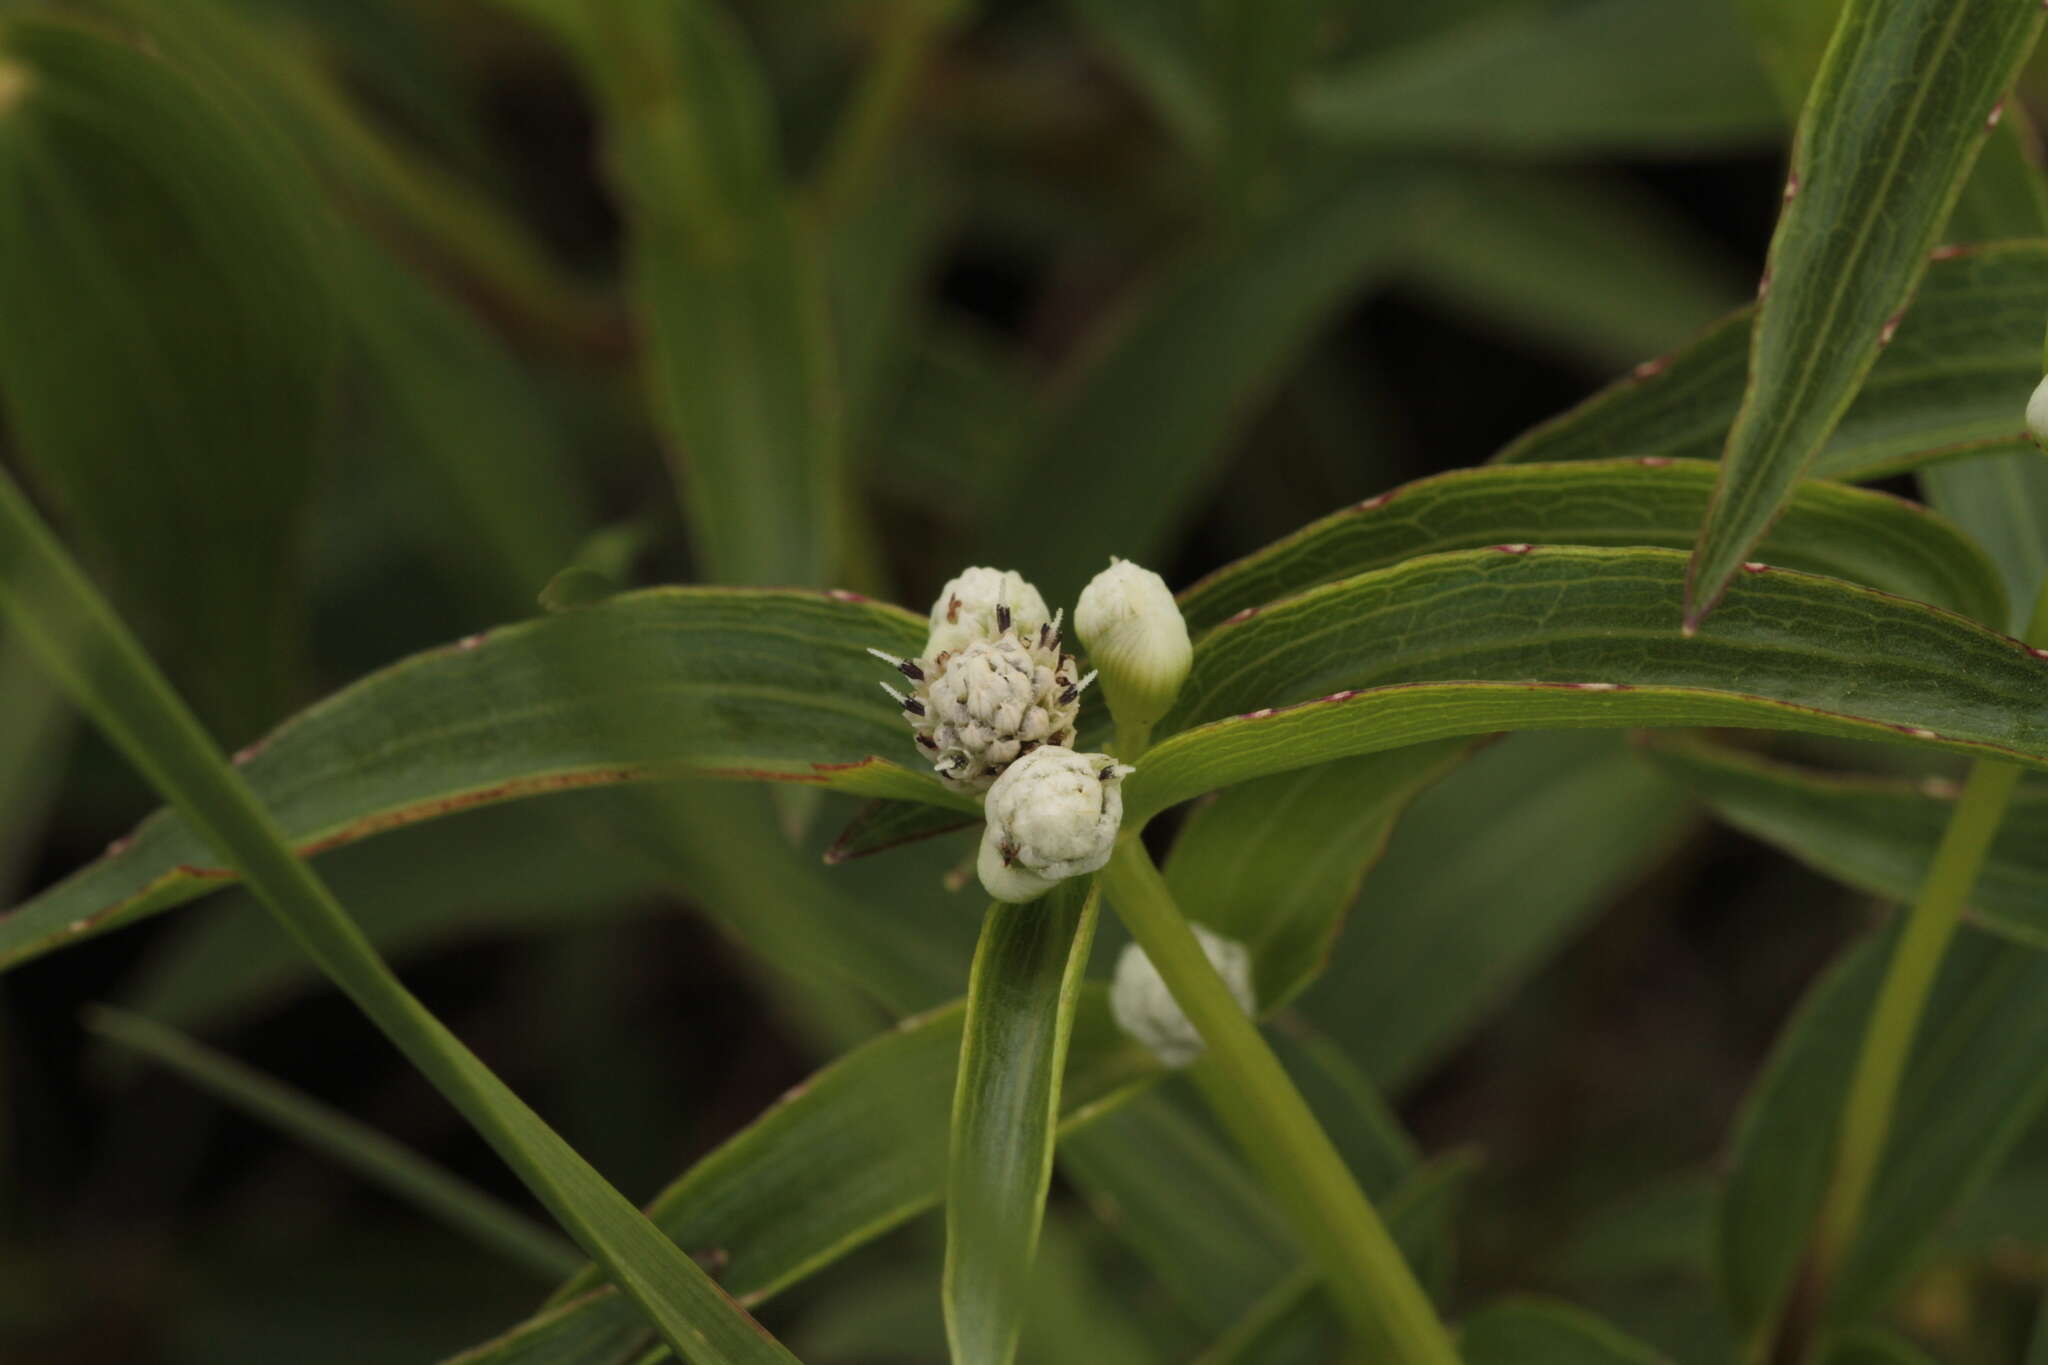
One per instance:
(1895, 1018)
(1251, 1094)
(878, 105)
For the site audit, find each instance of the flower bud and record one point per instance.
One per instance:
(977, 710)
(1145, 1008)
(1053, 814)
(980, 605)
(1137, 640)
(2037, 415)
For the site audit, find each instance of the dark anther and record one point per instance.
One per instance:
(1069, 695)
(952, 611)
(1009, 854)
(1002, 617)
(1044, 631)
(911, 671)
(913, 706)
(928, 742)
(1103, 776)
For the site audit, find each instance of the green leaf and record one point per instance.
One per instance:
(1977, 1077)
(1896, 115)
(725, 682)
(856, 1150)
(487, 1221)
(730, 284)
(1532, 1331)
(883, 825)
(1953, 382)
(1584, 265)
(47, 599)
(1020, 1017)
(1874, 833)
(164, 339)
(1159, 44)
(1872, 1346)
(2002, 502)
(35, 737)
(1488, 874)
(1869, 538)
(1555, 637)
(1596, 76)
(1276, 863)
(1156, 400)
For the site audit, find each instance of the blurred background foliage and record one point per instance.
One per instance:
(358, 326)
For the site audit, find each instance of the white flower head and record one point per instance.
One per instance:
(1053, 814)
(976, 709)
(1137, 638)
(982, 604)
(1145, 1008)
(2037, 415)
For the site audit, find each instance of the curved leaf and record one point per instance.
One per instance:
(1904, 98)
(1875, 833)
(1530, 1331)
(766, 683)
(1954, 381)
(1549, 638)
(1600, 75)
(857, 1149)
(165, 330)
(1013, 1053)
(1866, 537)
(1977, 1077)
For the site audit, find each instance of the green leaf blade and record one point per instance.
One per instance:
(1903, 101)
(1021, 999)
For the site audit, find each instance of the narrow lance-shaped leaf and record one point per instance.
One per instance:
(1553, 637)
(1875, 833)
(1896, 114)
(1532, 1331)
(379, 1160)
(1869, 538)
(1953, 382)
(762, 684)
(165, 330)
(47, 599)
(1020, 1016)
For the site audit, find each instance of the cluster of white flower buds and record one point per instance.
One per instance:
(995, 705)
(1144, 1008)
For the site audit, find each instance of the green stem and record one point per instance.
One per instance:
(1251, 1094)
(1895, 1018)
(878, 105)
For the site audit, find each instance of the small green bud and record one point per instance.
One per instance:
(1136, 639)
(1053, 814)
(1144, 1008)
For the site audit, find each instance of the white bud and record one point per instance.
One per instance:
(2037, 414)
(1146, 1009)
(973, 606)
(1053, 814)
(1137, 640)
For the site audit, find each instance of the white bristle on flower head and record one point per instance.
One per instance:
(1053, 814)
(1145, 1009)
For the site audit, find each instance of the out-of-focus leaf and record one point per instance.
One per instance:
(763, 684)
(1021, 999)
(467, 420)
(1603, 273)
(1160, 45)
(854, 1151)
(1978, 1076)
(1487, 875)
(1530, 1331)
(601, 567)
(1274, 864)
(730, 284)
(1896, 114)
(1155, 400)
(1868, 538)
(2002, 501)
(1586, 77)
(1872, 1346)
(35, 734)
(1875, 833)
(85, 645)
(1347, 668)
(486, 1220)
(1954, 381)
(164, 337)
(883, 825)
